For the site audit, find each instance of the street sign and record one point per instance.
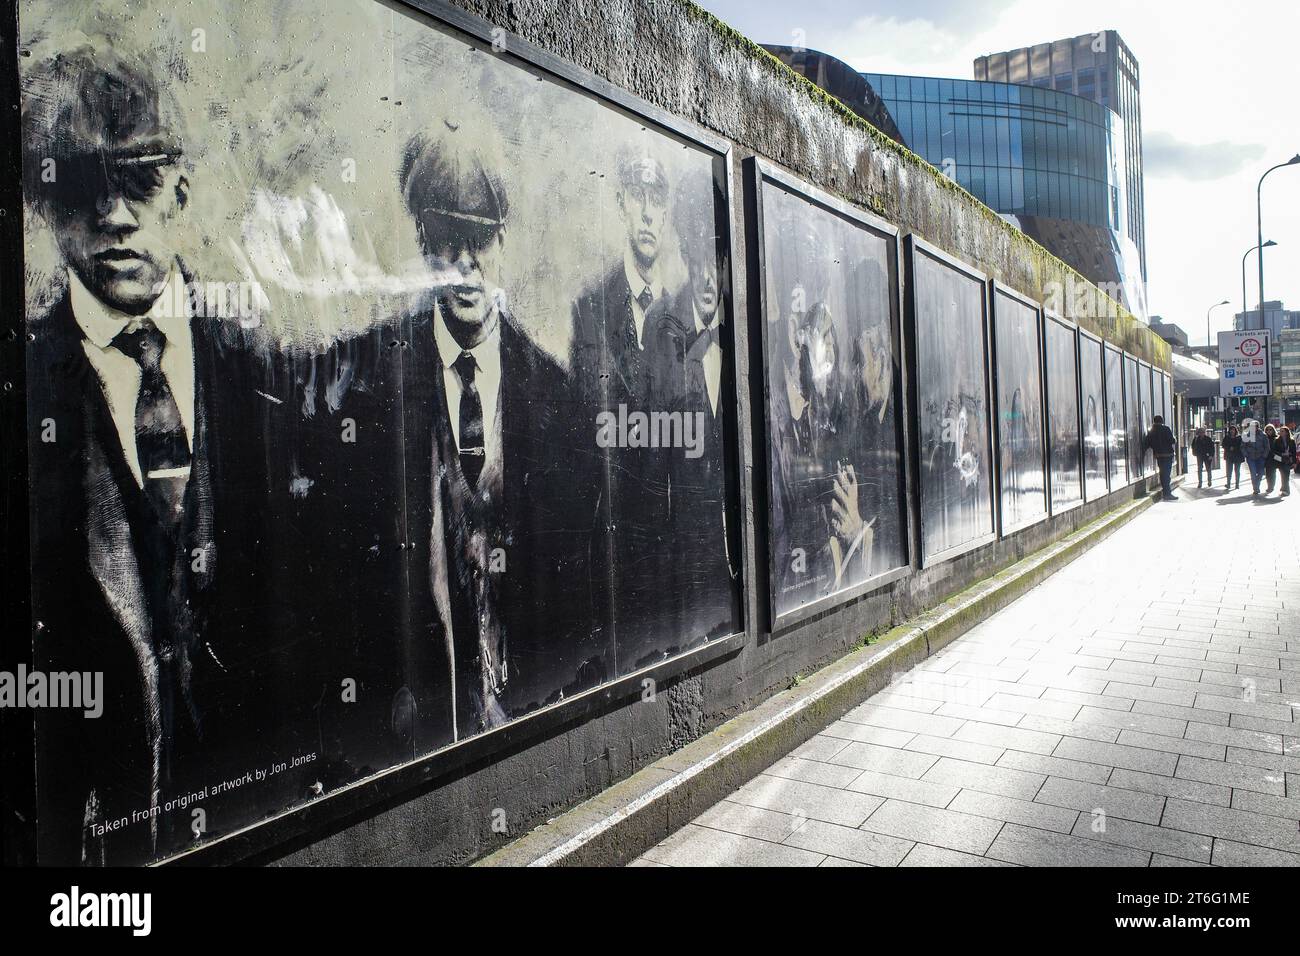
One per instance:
(1244, 366)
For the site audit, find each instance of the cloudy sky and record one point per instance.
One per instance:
(1220, 88)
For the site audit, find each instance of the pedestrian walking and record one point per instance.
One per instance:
(1203, 449)
(1232, 457)
(1255, 447)
(1270, 466)
(1160, 441)
(1281, 460)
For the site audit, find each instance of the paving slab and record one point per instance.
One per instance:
(1032, 847)
(1099, 801)
(944, 828)
(857, 846)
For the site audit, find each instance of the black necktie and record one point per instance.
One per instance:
(159, 431)
(645, 299)
(705, 339)
(164, 457)
(472, 450)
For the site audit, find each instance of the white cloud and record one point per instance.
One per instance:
(1164, 154)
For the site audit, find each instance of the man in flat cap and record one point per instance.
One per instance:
(609, 316)
(147, 453)
(611, 364)
(689, 350)
(467, 439)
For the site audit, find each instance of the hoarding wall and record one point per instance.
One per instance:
(408, 439)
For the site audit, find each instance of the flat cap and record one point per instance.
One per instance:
(639, 168)
(449, 180)
(94, 102)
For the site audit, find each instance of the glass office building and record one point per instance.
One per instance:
(1098, 67)
(1023, 151)
(1052, 163)
(1289, 374)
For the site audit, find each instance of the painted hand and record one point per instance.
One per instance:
(846, 519)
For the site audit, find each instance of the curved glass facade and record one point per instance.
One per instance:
(1025, 151)
(1098, 67)
(1050, 162)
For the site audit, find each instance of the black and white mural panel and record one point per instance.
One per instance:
(1018, 344)
(381, 394)
(954, 426)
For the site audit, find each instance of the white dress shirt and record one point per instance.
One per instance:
(118, 373)
(487, 379)
(638, 285)
(712, 360)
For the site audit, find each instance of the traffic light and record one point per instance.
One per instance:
(1244, 402)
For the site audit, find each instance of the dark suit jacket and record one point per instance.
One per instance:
(610, 365)
(704, 572)
(403, 574)
(612, 372)
(180, 700)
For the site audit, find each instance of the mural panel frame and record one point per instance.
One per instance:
(17, 724)
(1084, 334)
(999, 289)
(760, 171)
(1117, 464)
(1147, 379)
(1073, 330)
(1133, 418)
(916, 247)
(386, 783)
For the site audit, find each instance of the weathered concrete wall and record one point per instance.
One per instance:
(681, 59)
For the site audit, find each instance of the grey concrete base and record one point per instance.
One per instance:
(634, 815)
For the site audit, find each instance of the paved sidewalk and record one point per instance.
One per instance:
(1140, 708)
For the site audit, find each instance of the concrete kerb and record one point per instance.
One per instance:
(625, 820)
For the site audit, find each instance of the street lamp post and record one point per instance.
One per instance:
(1259, 217)
(1209, 342)
(1268, 245)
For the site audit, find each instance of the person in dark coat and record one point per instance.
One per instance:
(608, 352)
(1281, 459)
(1255, 446)
(1160, 442)
(610, 362)
(1232, 456)
(457, 479)
(1203, 449)
(693, 379)
(153, 481)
